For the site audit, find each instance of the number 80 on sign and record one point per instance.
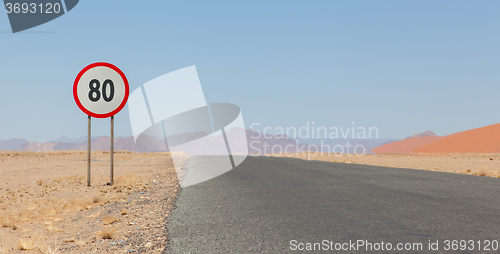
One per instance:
(101, 90)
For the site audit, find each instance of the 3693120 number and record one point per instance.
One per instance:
(95, 93)
(33, 8)
(485, 245)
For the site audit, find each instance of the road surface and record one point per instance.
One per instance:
(276, 205)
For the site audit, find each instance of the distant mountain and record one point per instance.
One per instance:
(98, 144)
(12, 144)
(480, 140)
(65, 139)
(202, 143)
(424, 134)
(260, 143)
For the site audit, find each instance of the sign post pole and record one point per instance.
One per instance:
(112, 150)
(88, 156)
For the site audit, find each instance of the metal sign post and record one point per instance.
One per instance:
(112, 150)
(101, 90)
(88, 156)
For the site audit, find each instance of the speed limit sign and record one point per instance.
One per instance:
(101, 90)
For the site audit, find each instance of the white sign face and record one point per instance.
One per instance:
(101, 90)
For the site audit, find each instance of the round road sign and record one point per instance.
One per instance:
(101, 90)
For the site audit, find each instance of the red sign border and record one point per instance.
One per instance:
(79, 76)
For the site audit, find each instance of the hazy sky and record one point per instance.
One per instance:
(402, 66)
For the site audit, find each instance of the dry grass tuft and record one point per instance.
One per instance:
(25, 244)
(95, 215)
(107, 233)
(481, 173)
(70, 179)
(44, 248)
(108, 220)
(124, 211)
(51, 228)
(7, 221)
(80, 243)
(129, 180)
(69, 240)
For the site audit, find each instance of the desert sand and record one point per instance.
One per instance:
(480, 140)
(405, 145)
(46, 207)
(471, 164)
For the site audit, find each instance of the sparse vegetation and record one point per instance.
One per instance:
(108, 220)
(52, 202)
(25, 244)
(107, 233)
(44, 248)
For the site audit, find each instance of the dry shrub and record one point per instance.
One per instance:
(481, 173)
(25, 244)
(10, 222)
(26, 214)
(51, 228)
(70, 179)
(46, 208)
(483, 170)
(69, 240)
(7, 221)
(107, 233)
(80, 243)
(108, 220)
(44, 248)
(116, 198)
(76, 204)
(129, 180)
(95, 215)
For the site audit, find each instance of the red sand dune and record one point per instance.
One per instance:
(406, 145)
(480, 140)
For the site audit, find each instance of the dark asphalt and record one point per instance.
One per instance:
(267, 202)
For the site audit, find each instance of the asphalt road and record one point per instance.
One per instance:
(265, 203)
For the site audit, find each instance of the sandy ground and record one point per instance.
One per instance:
(46, 207)
(473, 164)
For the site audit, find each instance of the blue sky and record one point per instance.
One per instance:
(404, 67)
